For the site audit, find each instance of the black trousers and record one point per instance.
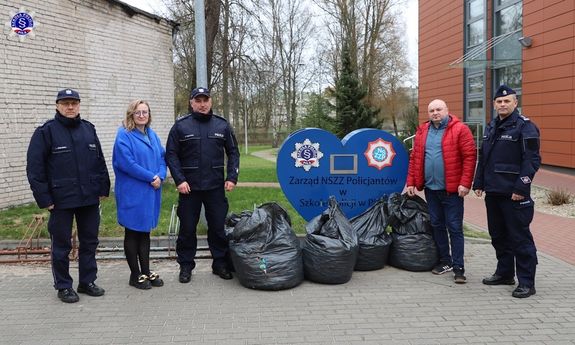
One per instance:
(60, 228)
(508, 223)
(189, 209)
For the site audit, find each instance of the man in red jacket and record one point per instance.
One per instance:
(442, 163)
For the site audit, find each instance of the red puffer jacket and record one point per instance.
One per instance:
(459, 156)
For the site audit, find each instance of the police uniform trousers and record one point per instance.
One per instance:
(60, 228)
(189, 208)
(508, 223)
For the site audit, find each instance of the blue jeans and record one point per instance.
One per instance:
(446, 214)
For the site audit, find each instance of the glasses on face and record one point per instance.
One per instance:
(69, 103)
(141, 113)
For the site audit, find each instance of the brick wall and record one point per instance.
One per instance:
(109, 54)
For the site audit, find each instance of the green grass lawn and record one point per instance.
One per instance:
(255, 169)
(14, 221)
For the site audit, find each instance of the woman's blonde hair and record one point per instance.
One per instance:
(129, 122)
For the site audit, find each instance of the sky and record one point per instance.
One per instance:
(409, 16)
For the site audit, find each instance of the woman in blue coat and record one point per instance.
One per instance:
(139, 165)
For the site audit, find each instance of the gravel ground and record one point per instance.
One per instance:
(539, 195)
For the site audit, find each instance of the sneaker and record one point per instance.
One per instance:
(441, 268)
(458, 275)
(68, 295)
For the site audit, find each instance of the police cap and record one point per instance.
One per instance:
(67, 94)
(503, 91)
(200, 91)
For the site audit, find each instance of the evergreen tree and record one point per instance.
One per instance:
(351, 112)
(317, 113)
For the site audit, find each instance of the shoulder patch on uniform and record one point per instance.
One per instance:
(43, 123)
(525, 118)
(181, 117)
(220, 117)
(525, 180)
(88, 122)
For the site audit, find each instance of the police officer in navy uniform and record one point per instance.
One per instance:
(68, 176)
(196, 149)
(508, 161)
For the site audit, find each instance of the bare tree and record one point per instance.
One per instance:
(264, 55)
(370, 30)
(184, 52)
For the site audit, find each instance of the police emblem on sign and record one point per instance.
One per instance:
(307, 155)
(21, 24)
(379, 154)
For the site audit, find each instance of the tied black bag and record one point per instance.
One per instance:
(413, 247)
(264, 249)
(373, 240)
(330, 247)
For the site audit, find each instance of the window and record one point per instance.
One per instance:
(475, 36)
(475, 33)
(475, 95)
(475, 9)
(508, 19)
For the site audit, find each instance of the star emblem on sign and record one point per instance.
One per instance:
(379, 154)
(307, 155)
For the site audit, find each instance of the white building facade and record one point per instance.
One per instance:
(111, 53)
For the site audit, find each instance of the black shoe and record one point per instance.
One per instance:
(91, 289)
(155, 279)
(141, 282)
(458, 275)
(223, 272)
(185, 275)
(523, 291)
(68, 295)
(441, 268)
(498, 280)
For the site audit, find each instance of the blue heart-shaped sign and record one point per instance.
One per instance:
(366, 165)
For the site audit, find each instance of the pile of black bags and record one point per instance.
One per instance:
(267, 255)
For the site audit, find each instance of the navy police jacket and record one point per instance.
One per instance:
(509, 156)
(196, 150)
(65, 164)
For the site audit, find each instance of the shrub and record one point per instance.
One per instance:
(558, 197)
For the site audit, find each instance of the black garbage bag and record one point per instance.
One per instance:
(373, 240)
(413, 247)
(264, 249)
(330, 247)
(408, 215)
